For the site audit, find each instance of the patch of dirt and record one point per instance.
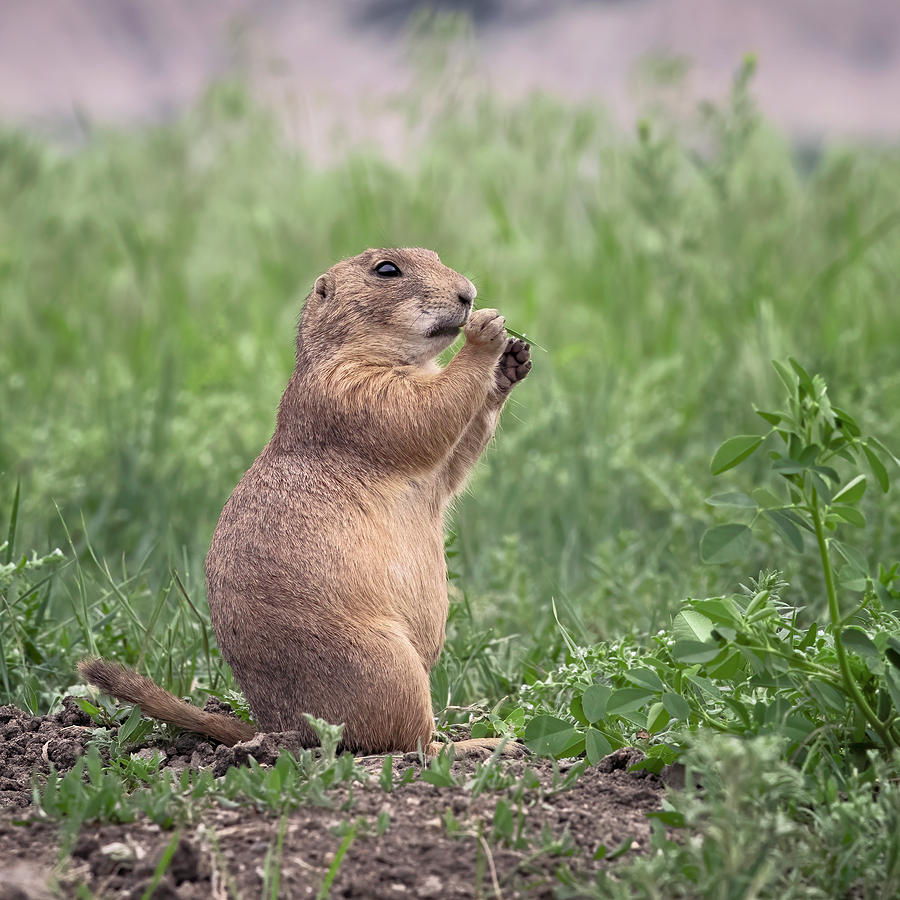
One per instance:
(30, 744)
(435, 841)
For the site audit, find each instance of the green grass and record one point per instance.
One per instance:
(149, 286)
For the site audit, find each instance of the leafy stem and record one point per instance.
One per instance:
(835, 615)
(810, 668)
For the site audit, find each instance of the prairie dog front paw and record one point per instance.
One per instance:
(486, 330)
(514, 364)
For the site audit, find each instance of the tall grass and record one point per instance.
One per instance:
(150, 283)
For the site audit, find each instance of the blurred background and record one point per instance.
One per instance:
(829, 68)
(665, 194)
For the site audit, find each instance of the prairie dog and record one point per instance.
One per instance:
(326, 575)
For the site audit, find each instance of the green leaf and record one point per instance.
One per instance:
(810, 637)
(849, 580)
(773, 418)
(728, 667)
(828, 472)
(732, 499)
(594, 700)
(574, 748)
(669, 817)
(576, 708)
(621, 850)
(657, 718)
(516, 718)
(892, 651)
(786, 466)
(695, 651)
(857, 641)
(849, 514)
(799, 521)
(482, 729)
(847, 422)
(786, 378)
(677, 706)
(690, 625)
(645, 678)
(803, 375)
(131, 723)
(766, 499)
(720, 610)
(503, 820)
(786, 528)
(878, 469)
(87, 707)
(704, 684)
(826, 695)
(893, 686)
(596, 745)
(734, 451)
(878, 445)
(13, 519)
(627, 700)
(796, 728)
(854, 557)
(822, 489)
(725, 544)
(852, 491)
(665, 753)
(549, 736)
(724, 633)
(739, 709)
(809, 455)
(438, 778)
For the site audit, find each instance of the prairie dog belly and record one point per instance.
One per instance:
(416, 575)
(320, 554)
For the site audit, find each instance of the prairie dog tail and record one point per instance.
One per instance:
(126, 684)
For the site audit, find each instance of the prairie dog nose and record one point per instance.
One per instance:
(466, 293)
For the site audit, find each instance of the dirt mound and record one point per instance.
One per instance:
(31, 744)
(419, 840)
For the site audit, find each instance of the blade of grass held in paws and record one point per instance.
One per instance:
(524, 337)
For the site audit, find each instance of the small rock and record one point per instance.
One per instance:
(432, 886)
(118, 852)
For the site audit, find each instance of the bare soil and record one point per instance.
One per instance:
(224, 853)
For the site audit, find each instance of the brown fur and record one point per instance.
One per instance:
(154, 701)
(326, 574)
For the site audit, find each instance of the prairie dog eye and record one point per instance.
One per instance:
(387, 270)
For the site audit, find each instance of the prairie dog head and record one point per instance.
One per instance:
(404, 305)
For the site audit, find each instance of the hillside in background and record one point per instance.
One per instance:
(827, 68)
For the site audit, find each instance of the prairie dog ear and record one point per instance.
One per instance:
(325, 286)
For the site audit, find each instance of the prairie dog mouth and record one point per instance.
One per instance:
(441, 331)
